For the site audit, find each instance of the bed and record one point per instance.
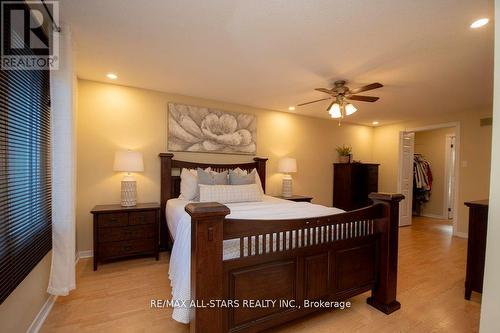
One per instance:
(274, 250)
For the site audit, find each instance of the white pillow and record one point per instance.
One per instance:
(230, 193)
(258, 182)
(189, 184)
(257, 178)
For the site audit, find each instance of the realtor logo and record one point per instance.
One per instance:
(29, 36)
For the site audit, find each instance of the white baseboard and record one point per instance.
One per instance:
(47, 307)
(461, 234)
(42, 315)
(85, 254)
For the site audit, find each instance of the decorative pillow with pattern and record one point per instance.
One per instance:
(230, 193)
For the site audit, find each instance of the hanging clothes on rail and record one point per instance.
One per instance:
(422, 182)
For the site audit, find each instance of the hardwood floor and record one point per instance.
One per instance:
(117, 297)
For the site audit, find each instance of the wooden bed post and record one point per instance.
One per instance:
(206, 263)
(165, 194)
(261, 170)
(384, 295)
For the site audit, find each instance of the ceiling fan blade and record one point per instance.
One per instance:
(363, 98)
(327, 91)
(318, 100)
(366, 88)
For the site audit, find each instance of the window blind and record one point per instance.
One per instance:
(25, 175)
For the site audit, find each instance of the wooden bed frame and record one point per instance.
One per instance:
(330, 258)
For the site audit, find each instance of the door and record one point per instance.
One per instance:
(450, 174)
(405, 179)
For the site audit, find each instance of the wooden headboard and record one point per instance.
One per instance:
(170, 184)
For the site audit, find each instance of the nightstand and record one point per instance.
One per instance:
(296, 198)
(125, 232)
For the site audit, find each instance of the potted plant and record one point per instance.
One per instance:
(344, 153)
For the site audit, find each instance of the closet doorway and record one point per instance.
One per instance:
(428, 173)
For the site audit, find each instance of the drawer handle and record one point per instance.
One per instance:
(127, 247)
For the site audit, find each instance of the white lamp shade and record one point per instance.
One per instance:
(335, 111)
(350, 109)
(129, 161)
(287, 165)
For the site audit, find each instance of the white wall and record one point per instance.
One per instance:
(490, 309)
(475, 156)
(113, 117)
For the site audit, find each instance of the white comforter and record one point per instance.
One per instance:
(180, 226)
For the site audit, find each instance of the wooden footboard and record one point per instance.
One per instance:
(290, 261)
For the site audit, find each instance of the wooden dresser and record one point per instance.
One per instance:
(476, 246)
(352, 182)
(124, 232)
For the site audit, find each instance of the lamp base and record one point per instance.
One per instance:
(286, 190)
(129, 192)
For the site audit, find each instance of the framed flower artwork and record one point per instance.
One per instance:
(200, 129)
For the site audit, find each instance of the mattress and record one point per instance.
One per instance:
(179, 223)
(176, 214)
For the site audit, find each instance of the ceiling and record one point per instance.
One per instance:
(273, 53)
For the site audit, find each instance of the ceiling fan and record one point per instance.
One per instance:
(339, 107)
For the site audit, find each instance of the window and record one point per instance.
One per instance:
(25, 174)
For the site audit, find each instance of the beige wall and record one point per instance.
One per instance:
(490, 307)
(474, 156)
(19, 310)
(432, 146)
(112, 117)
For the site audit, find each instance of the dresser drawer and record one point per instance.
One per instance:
(126, 248)
(112, 220)
(147, 217)
(126, 233)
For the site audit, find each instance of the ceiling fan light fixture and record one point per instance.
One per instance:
(335, 111)
(340, 93)
(350, 109)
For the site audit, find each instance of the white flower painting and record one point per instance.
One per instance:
(198, 129)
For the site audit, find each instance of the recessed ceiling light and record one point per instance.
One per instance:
(375, 123)
(479, 23)
(112, 76)
(291, 108)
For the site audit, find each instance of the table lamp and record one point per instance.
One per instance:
(128, 161)
(287, 165)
